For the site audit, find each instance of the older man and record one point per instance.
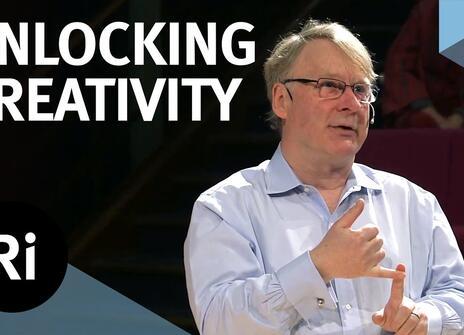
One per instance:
(311, 242)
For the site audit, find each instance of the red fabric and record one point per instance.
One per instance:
(414, 69)
(410, 118)
(419, 155)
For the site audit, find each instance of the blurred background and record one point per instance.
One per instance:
(123, 191)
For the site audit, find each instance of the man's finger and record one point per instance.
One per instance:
(378, 318)
(421, 327)
(381, 272)
(397, 288)
(369, 231)
(347, 220)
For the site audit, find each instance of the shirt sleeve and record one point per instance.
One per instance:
(443, 298)
(230, 292)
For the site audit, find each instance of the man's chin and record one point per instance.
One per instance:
(345, 151)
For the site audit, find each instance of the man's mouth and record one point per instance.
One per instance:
(344, 127)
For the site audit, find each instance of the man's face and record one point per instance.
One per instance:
(331, 128)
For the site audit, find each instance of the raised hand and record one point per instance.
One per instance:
(348, 253)
(400, 314)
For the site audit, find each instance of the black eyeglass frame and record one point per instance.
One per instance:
(373, 95)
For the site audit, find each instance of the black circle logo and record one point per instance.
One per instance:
(33, 257)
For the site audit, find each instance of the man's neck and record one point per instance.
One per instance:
(323, 172)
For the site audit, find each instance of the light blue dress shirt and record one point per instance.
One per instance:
(248, 269)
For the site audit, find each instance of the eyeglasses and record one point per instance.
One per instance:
(334, 88)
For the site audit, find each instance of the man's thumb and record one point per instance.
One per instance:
(377, 318)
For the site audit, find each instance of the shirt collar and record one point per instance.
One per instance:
(364, 179)
(280, 177)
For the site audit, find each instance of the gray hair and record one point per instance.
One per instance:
(283, 55)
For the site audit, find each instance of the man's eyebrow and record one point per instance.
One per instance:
(332, 75)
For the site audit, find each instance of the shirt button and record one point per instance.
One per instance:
(306, 189)
(320, 302)
(348, 307)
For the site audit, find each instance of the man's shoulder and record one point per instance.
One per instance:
(238, 183)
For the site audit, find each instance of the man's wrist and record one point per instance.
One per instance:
(319, 263)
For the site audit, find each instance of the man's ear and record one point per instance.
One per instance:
(280, 100)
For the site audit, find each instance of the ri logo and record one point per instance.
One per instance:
(33, 256)
(6, 258)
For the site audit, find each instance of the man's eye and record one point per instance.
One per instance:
(362, 89)
(331, 84)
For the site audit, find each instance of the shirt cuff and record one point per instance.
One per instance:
(304, 287)
(434, 317)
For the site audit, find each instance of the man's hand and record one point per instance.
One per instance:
(348, 253)
(400, 315)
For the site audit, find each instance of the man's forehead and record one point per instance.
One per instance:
(324, 59)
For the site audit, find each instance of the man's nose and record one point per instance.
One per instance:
(349, 100)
